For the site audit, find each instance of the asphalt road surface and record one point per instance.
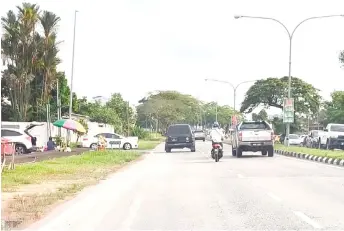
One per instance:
(189, 191)
(40, 156)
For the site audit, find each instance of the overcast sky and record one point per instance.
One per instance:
(137, 46)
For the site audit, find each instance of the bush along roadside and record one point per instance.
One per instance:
(324, 156)
(150, 141)
(30, 190)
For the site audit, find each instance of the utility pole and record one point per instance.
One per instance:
(71, 78)
(128, 119)
(216, 112)
(58, 105)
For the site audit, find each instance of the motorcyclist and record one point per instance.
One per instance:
(216, 135)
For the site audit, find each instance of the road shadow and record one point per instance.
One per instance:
(242, 157)
(173, 152)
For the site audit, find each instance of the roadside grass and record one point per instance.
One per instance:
(26, 209)
(88, 164)
(148, 144)
(151, 141)
(316, 152)
(155, 137)
(28, 183)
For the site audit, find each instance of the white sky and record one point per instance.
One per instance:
(137, 46)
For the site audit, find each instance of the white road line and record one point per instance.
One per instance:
(307, 219)
(273, 196)
(240, 176)
(134, 208)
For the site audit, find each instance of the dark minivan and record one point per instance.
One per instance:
(179, 136)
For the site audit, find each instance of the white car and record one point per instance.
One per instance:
(24, 141)
(113, 141)
(295, 139)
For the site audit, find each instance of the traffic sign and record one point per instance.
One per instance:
(288, 110)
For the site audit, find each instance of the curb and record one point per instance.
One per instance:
(322, 159)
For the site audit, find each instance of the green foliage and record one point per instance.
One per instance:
(30, 59)
(278, 125)
(139, 132)
(85, 125)
(163, 108)
(272, 91)
(341, 57)
(262, 115)
(335, 108)
(167, 107)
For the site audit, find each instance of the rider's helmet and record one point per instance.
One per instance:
(216, 125)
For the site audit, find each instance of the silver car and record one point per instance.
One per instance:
(199, 135)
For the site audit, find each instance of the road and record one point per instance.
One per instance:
(189, 191)
(40, 156)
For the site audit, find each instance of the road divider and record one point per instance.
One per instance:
(318, 155)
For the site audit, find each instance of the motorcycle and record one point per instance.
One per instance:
(217, 152)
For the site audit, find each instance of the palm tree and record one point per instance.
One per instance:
(49, 22)
(18, 49)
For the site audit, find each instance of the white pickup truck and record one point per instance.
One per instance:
(334, 134)
(253, 137)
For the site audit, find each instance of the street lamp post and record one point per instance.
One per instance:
(71, 77)
(72, 74)
(233, 86)
(290, 35)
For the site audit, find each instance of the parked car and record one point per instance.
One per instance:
(316, 139)
(295, 139)
(334, 135)
(113, 141)
(199, 135)
(24, 141)
(253, 136)
(179, 136)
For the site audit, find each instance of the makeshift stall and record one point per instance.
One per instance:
(71, 125)
(7, 149)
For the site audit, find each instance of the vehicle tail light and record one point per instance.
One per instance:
(272, 135)
(240, 136)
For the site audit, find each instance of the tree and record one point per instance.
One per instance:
(123, 110)
(262, 115)
(341, 57)
(166, 107)
(335, 108)
(30, 59)
(272, 91)
(85, 125)
(18, 45)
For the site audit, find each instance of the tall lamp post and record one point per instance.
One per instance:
(235, 87)
(290, 35)
(71, 77)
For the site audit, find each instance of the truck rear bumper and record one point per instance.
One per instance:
(255, 146)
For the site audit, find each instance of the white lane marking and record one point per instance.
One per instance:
(240, 176)
(273, 196)
(310, 162)
(134, 208)
(307, 219)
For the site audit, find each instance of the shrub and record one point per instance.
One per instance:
(139, 132)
